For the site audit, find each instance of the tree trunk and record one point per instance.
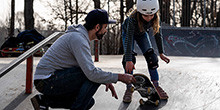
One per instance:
(165, 11)
(129, 5)
(192, 10)
(12, 22)
(121, 50)
(188, 7)
(218, 18)
(97, 4)
(65, 11)
(96, 42)
(122, 11)
(71, 11)
(185, 19)
(203, 12)
(212, 13)
(28, 14)
(77, 8)
(168, 16)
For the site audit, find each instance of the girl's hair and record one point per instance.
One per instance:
(156, 20)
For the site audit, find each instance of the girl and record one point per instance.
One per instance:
(136, 28)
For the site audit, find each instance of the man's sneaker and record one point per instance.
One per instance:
(162, 93)
(127, 96)
(38, 102)
(91, 103)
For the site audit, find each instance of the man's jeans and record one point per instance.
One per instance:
(69, 82)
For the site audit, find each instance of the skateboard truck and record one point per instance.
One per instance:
(142, 102)
(148, 95)
(146, 89)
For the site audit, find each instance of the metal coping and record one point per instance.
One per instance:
(192, 28)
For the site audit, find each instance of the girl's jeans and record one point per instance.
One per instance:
(70, 83)
(144, 44)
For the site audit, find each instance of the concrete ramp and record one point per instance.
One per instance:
(192, 83)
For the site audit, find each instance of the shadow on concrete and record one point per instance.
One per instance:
(18, 100)
(123, 106)
(152, 107)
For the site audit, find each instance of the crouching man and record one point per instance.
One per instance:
(66, 75)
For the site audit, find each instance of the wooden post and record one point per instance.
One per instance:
(29, 75)
(96, 50)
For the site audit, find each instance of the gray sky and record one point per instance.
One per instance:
(19, 6)
(40, 7)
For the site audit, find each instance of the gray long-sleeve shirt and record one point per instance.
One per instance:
(130, 26)
(72, 49)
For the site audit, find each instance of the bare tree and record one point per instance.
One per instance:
(129, 5)
(197, 12)
(190, 13)
(121, 11)
(77, 11)
(165, 11)
(218, 19)
(186, 15)
(96, 42)
(67, 10)
(121, 49)
(71, 11)
(97, 4)
(28, 14)
(19, 19)
(111, 43)
(12, 21)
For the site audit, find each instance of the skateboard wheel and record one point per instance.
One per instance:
(157, 102)
(148, 90)
(141, 101)
(132, 89)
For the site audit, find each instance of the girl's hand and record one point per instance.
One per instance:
(129, 66)
(126, 78)
(164, 58)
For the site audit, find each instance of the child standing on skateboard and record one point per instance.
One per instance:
(136, 28)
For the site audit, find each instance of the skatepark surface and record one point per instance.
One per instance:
(192, 83)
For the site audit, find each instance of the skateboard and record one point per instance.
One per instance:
(146, 89)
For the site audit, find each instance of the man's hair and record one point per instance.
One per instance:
(89, 26)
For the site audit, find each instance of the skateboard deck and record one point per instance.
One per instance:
(146, 89)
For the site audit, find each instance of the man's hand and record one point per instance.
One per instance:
(164, 58)
(126, 78)
(129, 66)
(111, 87)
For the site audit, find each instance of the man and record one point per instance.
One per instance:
(66, 75)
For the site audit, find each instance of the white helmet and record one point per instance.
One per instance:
(147, 7)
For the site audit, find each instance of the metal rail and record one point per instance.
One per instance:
(28, 55)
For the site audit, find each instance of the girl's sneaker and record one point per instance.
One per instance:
(127, 96)
(161, 92)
